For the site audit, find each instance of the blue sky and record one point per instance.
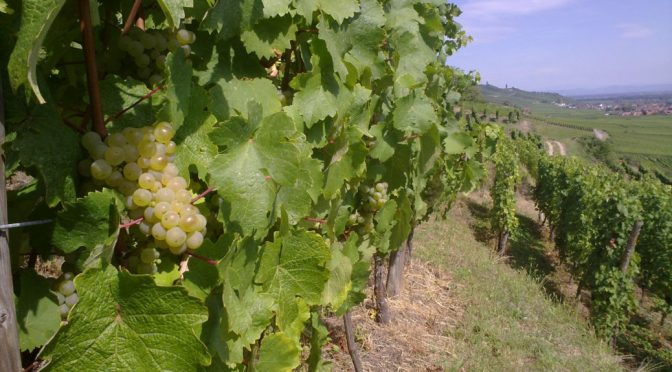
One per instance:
(567, 44)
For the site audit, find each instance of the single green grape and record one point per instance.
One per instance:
(114, 155)
(146, 181)
(158, 231)
(142, 197)
(175, 237)
(132, 171)
(194, 240)
(170, 220)
(90, 140)
(100, 169)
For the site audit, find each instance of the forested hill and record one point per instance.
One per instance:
(518, 97)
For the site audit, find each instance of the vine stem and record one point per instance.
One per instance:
(146, 96)
(131, 223)
(91, 68)
(201, 258)
(202, 195)
(131, 17)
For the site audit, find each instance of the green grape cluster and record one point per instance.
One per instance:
(149, 49)
(138, 163)
(66, 294)
(372, 199)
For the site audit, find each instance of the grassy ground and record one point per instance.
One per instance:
(508, 321)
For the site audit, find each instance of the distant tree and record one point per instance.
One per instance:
(510, 117)
(497, 115)
(517, 115)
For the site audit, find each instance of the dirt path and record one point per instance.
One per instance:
(600, 134)
(549, 147)
(525, 126)
(561, 148)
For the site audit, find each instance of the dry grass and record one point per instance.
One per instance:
(416, 339)
(464, 308)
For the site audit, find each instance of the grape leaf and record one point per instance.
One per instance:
(270, 37)
(414, 113)
(36, 19)
(294, 266)
(58, 154)
(194, 145)
(118, 94)
(91, 220)
(37, 312)
(248, 174)
(274, 8)
(178, 89)
(230, 17)
(231, 98)
(339, 283)
(317, 89)
(278, 353)
(125, 321)
(4, 8)
(339, 10)
(319, 337)
(174, 10)
(248, 314)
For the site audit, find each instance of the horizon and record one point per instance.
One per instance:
(567, 45)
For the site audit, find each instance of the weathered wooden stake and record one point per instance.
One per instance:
(353, 350)
(383, 315)
(630, 248)
(10, 358)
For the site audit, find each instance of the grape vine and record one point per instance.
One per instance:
(302, 134)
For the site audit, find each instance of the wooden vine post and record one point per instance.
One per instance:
(353, 350)
(398, 261)
(10, 358)
(630, 248)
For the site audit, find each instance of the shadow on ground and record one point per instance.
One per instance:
(527, 250)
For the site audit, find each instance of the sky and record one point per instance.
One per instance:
(548, 45)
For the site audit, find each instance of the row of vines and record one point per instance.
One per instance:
(207, 179)
(612, 232)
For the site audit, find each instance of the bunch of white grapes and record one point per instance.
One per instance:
(372, 199)
(65, 292)
(138, 163)
(149, 49)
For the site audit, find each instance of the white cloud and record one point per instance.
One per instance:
(491, 9)
(489, 20)
(634, 31)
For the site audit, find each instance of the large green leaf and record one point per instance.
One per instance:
(294, 265)
(125, 322)
(37, 312)
(270, 37)
(231, 97)
(174, 10)
(118, 94)
(194, 145)
(278, 353)
(255, 167)
(87, 222)
(46, 144)
(414, 113)
(36, 19)
(178, 89)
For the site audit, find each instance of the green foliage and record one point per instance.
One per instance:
(593, 212)
(503, 192)
(285, 108)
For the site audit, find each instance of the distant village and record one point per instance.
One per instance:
(637, 106)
